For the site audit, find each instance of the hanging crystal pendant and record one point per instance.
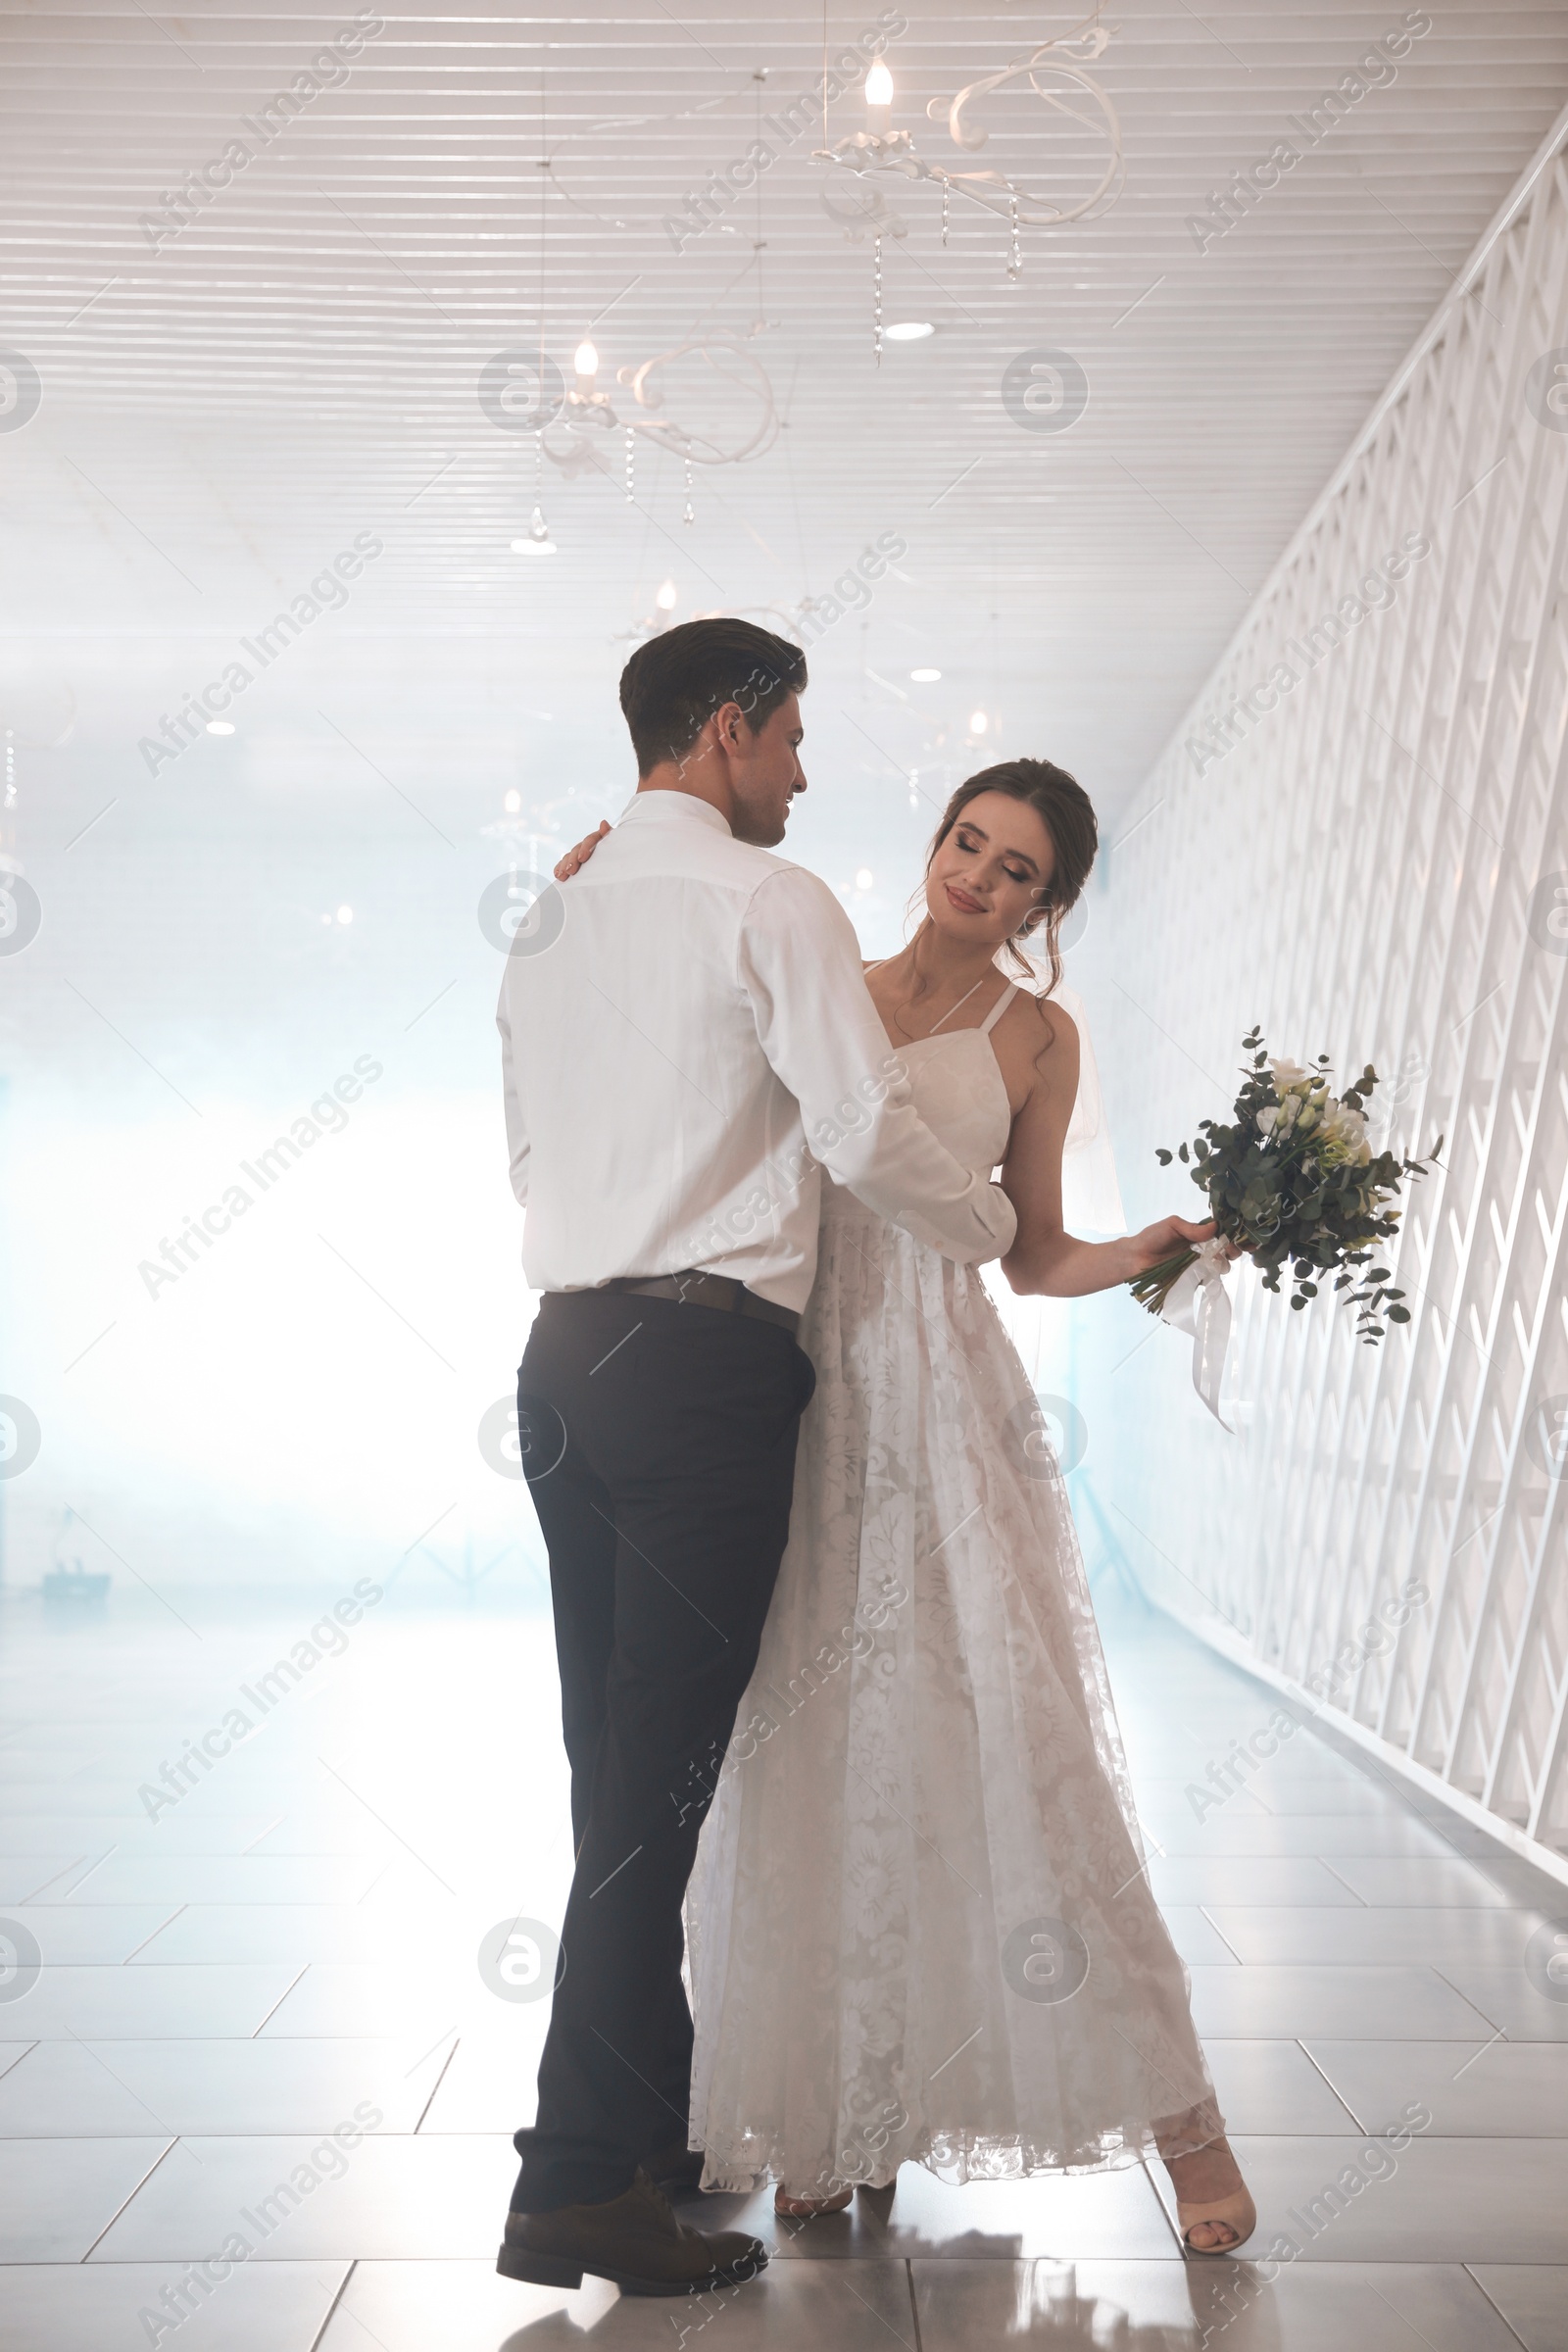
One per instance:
(876, 300)
(538, 541)
(631, 443)
(946, 193)
(1015, 258)
(689, 515)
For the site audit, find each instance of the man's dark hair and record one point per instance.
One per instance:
(673, 684)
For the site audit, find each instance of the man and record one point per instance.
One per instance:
(685, 1035)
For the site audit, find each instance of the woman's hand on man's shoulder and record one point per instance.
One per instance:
(576, 859)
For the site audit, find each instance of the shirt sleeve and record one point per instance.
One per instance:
(798, 962)
(511, 1098)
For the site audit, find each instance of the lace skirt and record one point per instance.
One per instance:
(920, 1926)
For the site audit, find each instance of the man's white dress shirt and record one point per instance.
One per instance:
(685, 1034)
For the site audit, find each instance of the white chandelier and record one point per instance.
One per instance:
(1056, 73)
(526, 392)
(586, 409)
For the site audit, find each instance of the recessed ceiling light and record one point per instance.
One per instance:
(865, 879)
(533, 547)
(908, 330)
(345, 914)
(924, 677)
(220, 726)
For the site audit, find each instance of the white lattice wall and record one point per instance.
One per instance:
(1373, 870)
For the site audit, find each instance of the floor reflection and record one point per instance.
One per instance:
(195, 1991)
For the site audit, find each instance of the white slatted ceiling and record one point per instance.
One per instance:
(302, 360)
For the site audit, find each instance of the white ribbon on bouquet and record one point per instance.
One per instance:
(1199, 1303)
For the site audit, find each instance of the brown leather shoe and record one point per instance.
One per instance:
(634, 2241)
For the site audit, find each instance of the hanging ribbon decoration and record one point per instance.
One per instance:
(1199, 1303)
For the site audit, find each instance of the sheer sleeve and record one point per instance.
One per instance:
(1090, 1197)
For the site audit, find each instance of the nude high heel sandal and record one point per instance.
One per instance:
(806, 2209)
(1235, 2215)
(1229, 2220)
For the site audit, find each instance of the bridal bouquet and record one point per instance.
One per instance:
(1293, 1180)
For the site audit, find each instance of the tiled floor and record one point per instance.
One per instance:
(230, 1979)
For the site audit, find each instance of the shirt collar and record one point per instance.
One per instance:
(671, 807)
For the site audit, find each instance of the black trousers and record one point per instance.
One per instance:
(658, 1441)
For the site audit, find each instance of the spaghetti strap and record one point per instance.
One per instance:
(997, 1009)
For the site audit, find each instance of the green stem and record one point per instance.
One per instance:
(1153, 1286)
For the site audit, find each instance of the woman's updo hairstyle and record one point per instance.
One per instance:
(1064, 808)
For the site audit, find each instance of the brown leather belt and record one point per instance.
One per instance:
(720, 1290)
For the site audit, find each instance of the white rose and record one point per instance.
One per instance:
(1342, 1124)
(1266, 1118)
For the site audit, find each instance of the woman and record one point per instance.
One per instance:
(919, 1926)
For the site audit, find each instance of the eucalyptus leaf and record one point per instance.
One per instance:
(1298, 1195)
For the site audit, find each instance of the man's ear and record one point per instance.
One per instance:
(732, 727)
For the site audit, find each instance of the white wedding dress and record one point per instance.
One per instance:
(923, 1836)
